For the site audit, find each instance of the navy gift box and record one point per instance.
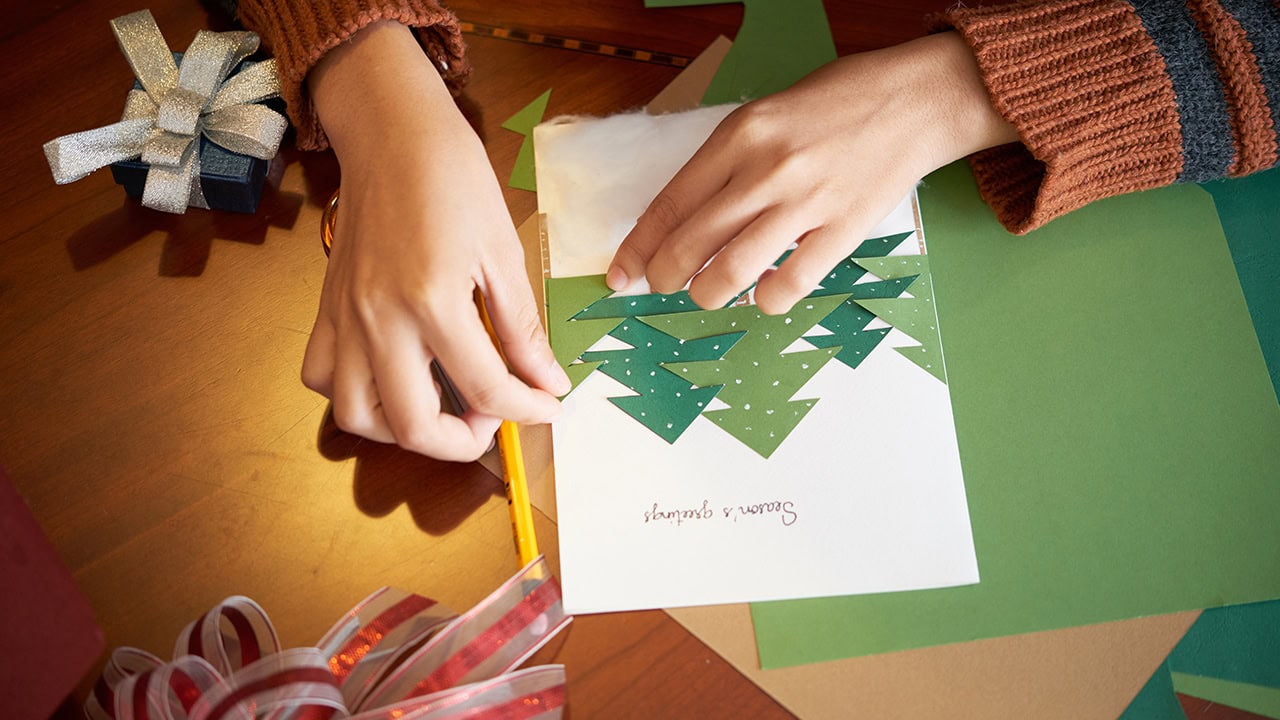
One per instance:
(230, 181)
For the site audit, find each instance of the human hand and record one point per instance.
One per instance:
(422, 225)
(818, 164)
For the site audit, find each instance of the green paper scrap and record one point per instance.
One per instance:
(1156, 700)
(759, 378)
(1240, 643)
(622, 306)
(780, 41)
(1256, 699)
(1250, 218)
(523, 176)
(565, 298)
(914, 315)
(880, 246)
(1115, 431)
(664, 403)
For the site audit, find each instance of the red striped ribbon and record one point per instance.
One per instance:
(395, 655)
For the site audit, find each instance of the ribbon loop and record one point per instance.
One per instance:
(215, 55)
(148, 54)
(251, 85)
(253, 130)
(395, 656)
(74, 156)
(181, 103)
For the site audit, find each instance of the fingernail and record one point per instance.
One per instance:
(560, 383)
(617, 278)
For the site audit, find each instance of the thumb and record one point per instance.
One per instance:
(514, 315)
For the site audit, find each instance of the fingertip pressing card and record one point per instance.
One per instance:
(724, 456)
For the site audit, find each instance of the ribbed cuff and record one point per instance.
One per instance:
(1087, 91)
(300, 32)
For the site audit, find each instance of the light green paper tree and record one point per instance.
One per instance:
(523, 176)
(570, 337)
(759, 379)
(915, 315)
(848, 322)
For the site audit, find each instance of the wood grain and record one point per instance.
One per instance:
(152, 414)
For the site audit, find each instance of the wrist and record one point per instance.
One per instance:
(380, 87)
(959, 117)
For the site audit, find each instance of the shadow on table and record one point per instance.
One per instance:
(439, 494)
(190, 235)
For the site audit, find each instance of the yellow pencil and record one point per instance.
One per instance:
(513, 467)
(513, 474)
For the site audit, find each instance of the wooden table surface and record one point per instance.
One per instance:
(150, 408)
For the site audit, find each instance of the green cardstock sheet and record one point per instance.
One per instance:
(1240, 643)
(1257, 699)
(1117, 426)
(780, 41)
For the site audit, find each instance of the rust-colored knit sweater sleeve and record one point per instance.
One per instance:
(1110, 97)
(300, 32)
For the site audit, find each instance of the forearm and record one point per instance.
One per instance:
(302, 32)
(1109, 99)
(378, 90)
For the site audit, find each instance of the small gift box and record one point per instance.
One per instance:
(196, 130)
(228, 180)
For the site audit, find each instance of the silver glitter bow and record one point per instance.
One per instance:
(162, 124)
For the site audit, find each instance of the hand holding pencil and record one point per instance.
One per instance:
(423, 225)
(508, 435)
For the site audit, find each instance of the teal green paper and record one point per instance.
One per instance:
(1156, 700)
(780, 41)
(1231, 656)
(1240, 643)
(880, 246)
(523, 175)
(1116, 422)
(1250, 213)
(624, 306)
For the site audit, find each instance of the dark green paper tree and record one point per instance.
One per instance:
(848, 322)
(664, 402)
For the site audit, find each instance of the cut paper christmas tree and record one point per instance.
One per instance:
(523, 122)
(724, 455)
(763, 373)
